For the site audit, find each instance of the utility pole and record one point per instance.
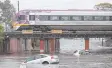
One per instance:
(18, 5)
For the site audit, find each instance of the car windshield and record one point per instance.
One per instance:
(30, 59)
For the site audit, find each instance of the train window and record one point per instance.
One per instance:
(107, 18)
(76, 18)
(110, 18)
(54, 18)
(43, 17)
(99, 18)
(21, 17)
(32, 17)
(65, 18)
(88, 18)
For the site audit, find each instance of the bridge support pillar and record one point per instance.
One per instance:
(46, 47)
(41, 46)
(52, 45)
(6, 45)
(18, 45)
(13, 45)
(57, 45)
(86, 44)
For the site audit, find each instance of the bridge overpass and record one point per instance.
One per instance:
(64, 34)
(67, 31)
(52, 33)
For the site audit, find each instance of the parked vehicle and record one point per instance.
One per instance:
(43, 59)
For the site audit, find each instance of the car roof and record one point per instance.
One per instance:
(47, 54)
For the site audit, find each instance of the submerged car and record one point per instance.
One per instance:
(43, 59)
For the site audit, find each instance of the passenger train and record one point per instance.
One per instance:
(63, 17)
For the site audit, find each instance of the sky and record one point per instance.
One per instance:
(57, 4)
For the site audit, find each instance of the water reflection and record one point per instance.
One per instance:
(39, 66)
(78, 65)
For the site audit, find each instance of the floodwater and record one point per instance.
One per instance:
(66, 61)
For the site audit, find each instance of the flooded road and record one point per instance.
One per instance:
(66, 61)
(10, 63)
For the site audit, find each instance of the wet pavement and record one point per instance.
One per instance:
(66, 61)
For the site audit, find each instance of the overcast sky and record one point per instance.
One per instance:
(57, 4)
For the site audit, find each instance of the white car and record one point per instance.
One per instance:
(43, 59)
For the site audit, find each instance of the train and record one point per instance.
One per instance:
(63, 17)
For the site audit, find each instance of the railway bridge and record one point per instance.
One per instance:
(49, 35)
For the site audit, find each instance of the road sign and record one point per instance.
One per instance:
(56, 31)
(27, 31)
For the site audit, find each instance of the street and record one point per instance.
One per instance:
(66, 61)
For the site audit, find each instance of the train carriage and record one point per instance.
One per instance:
(64, 17)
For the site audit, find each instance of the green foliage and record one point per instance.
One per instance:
(1, 37)
(7, 12)
(104, 6)
(108, 5)
(1, 33)
(1, 30)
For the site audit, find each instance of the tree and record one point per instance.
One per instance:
(8, 12)
(103, 6)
